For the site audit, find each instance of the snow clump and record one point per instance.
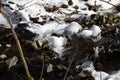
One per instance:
(73, 28)
(93, 31)
(85, 33)
(57, 44)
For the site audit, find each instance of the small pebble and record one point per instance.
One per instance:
(8, 45)
(0, 45)
(3, 56)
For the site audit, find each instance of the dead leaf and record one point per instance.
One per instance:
(12, 61)
(49, 68)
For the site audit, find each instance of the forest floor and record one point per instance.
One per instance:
(53, 63)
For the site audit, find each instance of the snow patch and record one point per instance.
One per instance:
(85, 33)
(73, 28)
(4, 21)
(57, 44)
(95, 30)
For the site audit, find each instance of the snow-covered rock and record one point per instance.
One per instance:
(85, 33)
(73, 28)
(95, 30)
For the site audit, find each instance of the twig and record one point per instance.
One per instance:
(100, 76)
(0, 6)
(109, 3)
(17, 41)
(5, 50)
(16, 74)
(69, 66)
(7, 35)
(42, 67)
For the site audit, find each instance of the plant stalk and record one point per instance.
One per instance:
(4, 13)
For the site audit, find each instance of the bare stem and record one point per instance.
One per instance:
(69, 66)
(42, 67)
(17, 41)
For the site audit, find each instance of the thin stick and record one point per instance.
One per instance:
(109, 3)
(0, 5)
(17, 41)
(16, 74)
(69, 66)
(42, 67)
